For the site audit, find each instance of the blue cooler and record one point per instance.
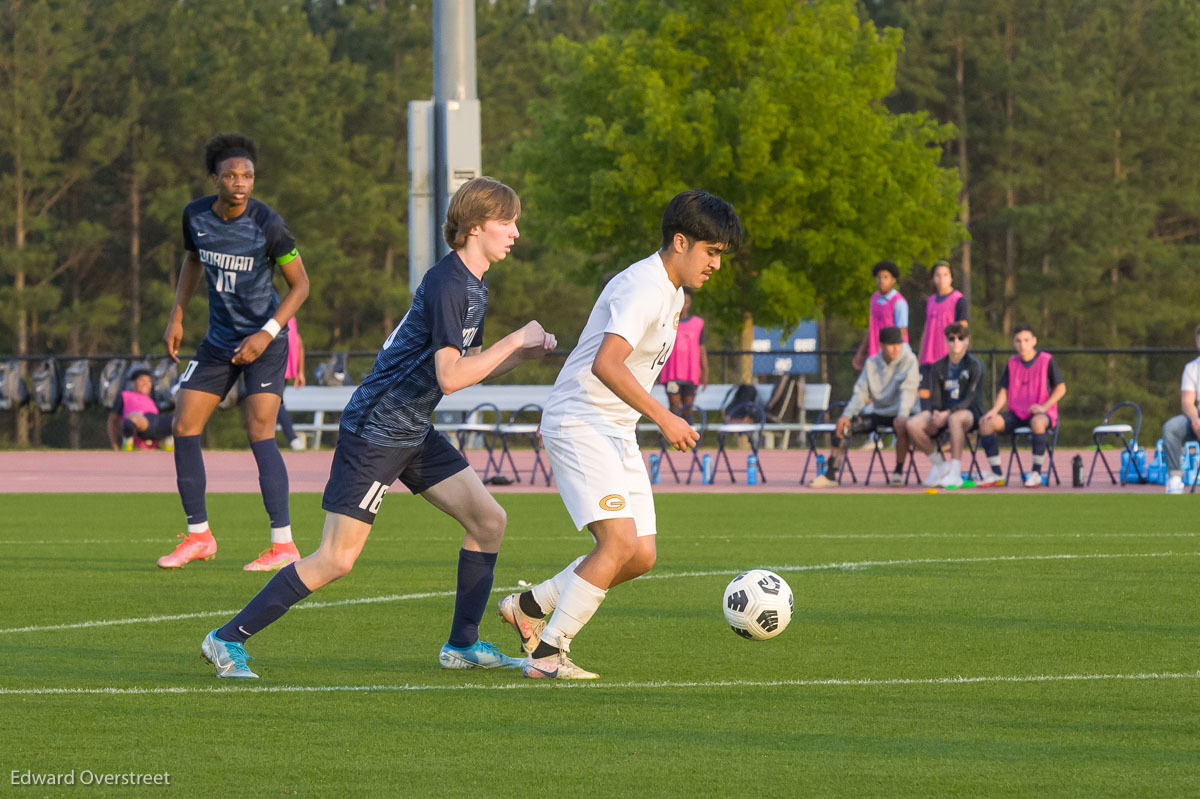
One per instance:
(1133, 469)
(1156, 471)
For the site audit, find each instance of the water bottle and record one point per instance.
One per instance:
(654, 459)
(706, 468)
(820, 465)
(752, 469)
(1077, 471)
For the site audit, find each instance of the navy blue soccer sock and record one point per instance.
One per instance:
(1039, 449)
(190, 477)
(475, 572)
(991, 448)
(272, 479)
(285, 421)
(277, 596)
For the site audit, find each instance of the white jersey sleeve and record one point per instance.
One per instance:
(1191, 378)
(640, 305)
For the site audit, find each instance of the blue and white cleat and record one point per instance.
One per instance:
(479, 655)
(227, 657)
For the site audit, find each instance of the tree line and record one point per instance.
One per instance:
(1043, 146)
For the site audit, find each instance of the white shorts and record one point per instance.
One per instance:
(602, 477)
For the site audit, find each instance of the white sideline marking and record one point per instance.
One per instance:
(901, 536)
(370, 600)
(584, 685)
(738, 536)
(863, 564)
(847, 565)
(86, 541)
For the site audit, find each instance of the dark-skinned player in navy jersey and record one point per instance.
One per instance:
(235, 243)
(386, 435)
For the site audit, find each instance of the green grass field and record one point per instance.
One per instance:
(1071, 619)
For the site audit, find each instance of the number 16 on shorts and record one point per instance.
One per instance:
(374, 497)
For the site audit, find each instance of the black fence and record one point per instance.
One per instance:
(1096, 380)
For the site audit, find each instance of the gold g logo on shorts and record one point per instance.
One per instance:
(675, 322)
(613, 502)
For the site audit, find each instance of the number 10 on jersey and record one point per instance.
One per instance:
(226, 281)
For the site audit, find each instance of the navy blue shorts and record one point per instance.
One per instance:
(159, 427)
(1012, 421)
(362, 471)
(212, 371)
(684, 388)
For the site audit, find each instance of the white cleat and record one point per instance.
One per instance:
(1174, 484)
(1033, 480)
(936, 472)
(556, 667)
(528, 628)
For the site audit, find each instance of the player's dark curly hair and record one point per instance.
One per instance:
(701, 216)
(886, 266)
(228, 145)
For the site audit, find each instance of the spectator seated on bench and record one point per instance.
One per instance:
(955, 407)
(888, 382)
(1184, 427)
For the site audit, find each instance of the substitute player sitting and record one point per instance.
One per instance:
(589, 428)
(956, 405)
(135, 416)
(1031, 387)
(386, 435)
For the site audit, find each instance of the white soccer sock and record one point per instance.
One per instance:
(935, 457)
(546, 593)
(954, 468)
(281, 535)
(579, 600)
(198, 528)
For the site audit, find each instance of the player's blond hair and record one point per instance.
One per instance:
(475, 202)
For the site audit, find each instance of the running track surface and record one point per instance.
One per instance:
(56, 471)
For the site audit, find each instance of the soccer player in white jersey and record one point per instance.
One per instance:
(589, 428)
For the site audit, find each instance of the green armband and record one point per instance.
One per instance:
(288, 258)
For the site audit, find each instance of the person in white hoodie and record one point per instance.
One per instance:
(888, 383)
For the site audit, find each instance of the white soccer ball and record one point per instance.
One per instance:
(758, 604)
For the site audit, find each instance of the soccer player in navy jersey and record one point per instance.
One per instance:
(235, 242)
(386, 435)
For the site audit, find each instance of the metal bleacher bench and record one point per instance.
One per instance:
(452, 411)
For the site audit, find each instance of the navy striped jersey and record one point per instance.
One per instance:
(239, 257)
(393, 405)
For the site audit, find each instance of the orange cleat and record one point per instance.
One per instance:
(274, 558)
(195, 546)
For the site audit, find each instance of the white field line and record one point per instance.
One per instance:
(86, 541)
(797, 536)
(964, 536)
(846, 565)
(653, 685)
